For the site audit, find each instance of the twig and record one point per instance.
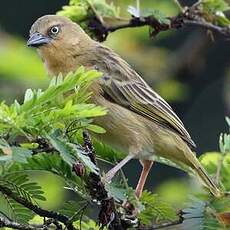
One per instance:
(176, 22)
(164, 225)
(4, 222)
(179, 5)
(218, 170)
(108, 215)
(138, 7)
(36, 209)
(48, 222)
(159, 226)
(81, 209)
(196, 4)
(207, 25)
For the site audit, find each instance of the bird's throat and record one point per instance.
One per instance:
(59, 62)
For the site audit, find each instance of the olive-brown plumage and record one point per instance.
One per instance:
(139, 121)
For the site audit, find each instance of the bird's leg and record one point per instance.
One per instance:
(111, 173)
(146, 164)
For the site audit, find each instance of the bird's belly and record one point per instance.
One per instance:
(125, 131)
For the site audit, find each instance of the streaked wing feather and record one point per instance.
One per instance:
(140, 98)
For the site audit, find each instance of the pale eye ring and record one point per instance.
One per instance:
(54, 30)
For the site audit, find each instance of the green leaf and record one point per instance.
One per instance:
(13, 210)
(88, 224)
(210, 161)
(71, 152)
(107, 153)
(82, 156)
(28, 95)
(20, 185)
(224, 143)
(63, 148)
(56, 107)
(96, 129)
(81, 11)
(47, 162)
(148, 13)
(228, 121)
(14, 153)
(54, 164)
(71, 209)
(116, 191)
(155, 209)
(20, 154)
(221, 19)
(198, 216)
(215, 5)
(105, 9)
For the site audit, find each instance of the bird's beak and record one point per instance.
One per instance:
(37, 39)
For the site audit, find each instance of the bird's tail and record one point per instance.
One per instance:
(208, 182)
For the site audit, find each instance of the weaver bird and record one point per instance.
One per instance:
(139, 122)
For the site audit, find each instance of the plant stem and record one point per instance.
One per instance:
(36, 209)
(179, 5)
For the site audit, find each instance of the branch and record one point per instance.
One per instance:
(4, 222)
(225, 31)
(43, 146)
(108, 216)
(164, 225)
(190, 17)
(36, 209)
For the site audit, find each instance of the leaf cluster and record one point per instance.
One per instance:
(47, 121)
(214, 11)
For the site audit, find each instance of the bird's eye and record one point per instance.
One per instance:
(54, 30)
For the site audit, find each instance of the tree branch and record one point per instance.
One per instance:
(190, 17)
(36, 209)
(4, 222)
(225, 31)
(108, 215)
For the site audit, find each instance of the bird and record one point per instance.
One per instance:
(139, 121)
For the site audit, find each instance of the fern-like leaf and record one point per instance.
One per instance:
(54, 164)
(155, 209)
(20, 185)
(13, 210)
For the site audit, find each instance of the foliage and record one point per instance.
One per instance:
(84, 11)
(214, 11)
(21, 185)
(49, 110)
(34, 121)
(155, 209)
(36, 136)
(145, 13)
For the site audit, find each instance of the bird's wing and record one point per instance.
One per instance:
(137, 96)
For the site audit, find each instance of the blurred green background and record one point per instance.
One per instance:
(188, 67)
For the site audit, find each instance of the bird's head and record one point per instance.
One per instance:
(57, 39)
